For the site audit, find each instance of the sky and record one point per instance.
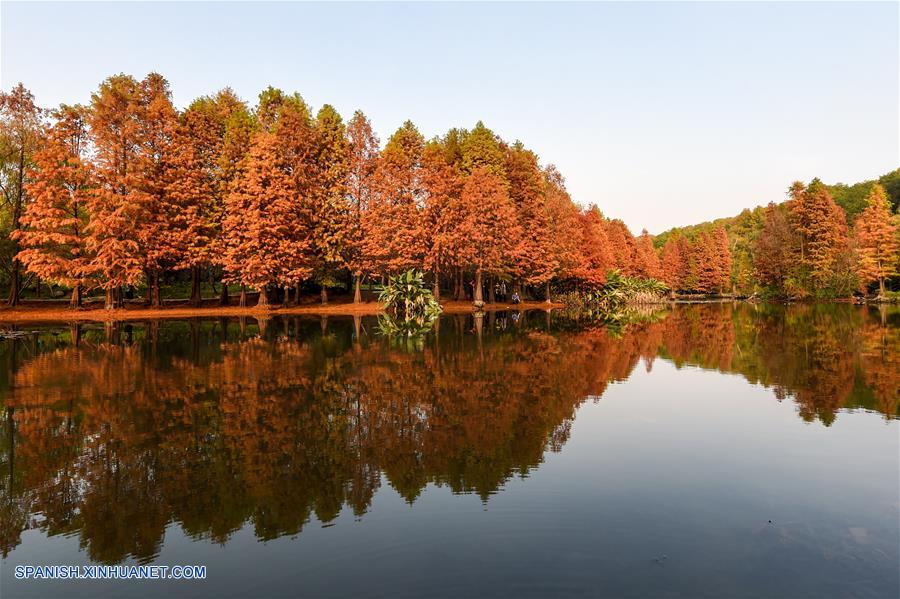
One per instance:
(662, 114)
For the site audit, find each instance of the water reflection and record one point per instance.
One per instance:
(113, 431)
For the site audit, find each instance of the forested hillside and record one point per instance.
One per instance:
(746, 229)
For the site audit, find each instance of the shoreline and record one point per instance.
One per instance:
(37, 311)
(60, 312)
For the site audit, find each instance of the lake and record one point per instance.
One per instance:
(703, 451)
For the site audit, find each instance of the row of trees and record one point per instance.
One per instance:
(805, 247)
(824, 241)
(117, 194)
(128, 191)
(703, 264)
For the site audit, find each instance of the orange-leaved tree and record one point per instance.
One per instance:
(724, 261)
(647, 259)
(362, 164)
(821, 228)
(443, 185)
(213, 133)
(878, 250)
(598, 259)
(487, 230)
(331, 227)
(534, 263)
(268, 212)
(163, 217)
(773, 249)
(675, 263)
(624, 248)
(53, 237)
(118, 204)
(393, 238)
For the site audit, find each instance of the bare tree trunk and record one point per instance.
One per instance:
(110, 299)
(196, 298)
(243, 300)
(547, 292)
(287, 296)
(263, 301)
(75, 301)
(155, 299)
(223, 298)
(357, 290)
(324, 295)
(477, 296)
(492, 297)
(297, 293)
(437, 284)
(15, 283)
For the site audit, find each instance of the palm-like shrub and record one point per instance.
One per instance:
(406, 296)
(618, 291)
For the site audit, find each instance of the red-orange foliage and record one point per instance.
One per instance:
(876, 241)
(278, 196)
(723, 257)
(362, 164)
(443, 185)
(774, 247)
(118, 205)
(648, 264)
(565, 228)
(266, 228)
(624, 249)
(598, 259)
(201, 171)
(487, 232)
(821, 229)
(393, 237)
(163, 219)
(675, 263)
(53, 234)
(705, 264)
(535, 262)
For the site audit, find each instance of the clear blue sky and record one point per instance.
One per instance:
(661, 113)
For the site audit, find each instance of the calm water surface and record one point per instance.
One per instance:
(711, 450)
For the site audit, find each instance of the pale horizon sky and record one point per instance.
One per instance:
(663, 114)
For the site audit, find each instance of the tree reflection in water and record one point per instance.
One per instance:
(113, 431)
